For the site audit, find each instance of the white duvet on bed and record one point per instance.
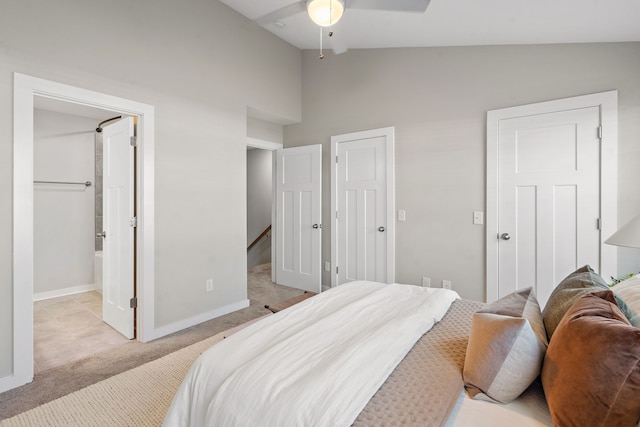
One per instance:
(317, 363)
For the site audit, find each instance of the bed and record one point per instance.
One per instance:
(368, 354)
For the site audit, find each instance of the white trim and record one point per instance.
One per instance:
(196, 320)
(64, 292)
(25, 88)
(263, 144)
(389, 134)
(608, 104)
(274, 225)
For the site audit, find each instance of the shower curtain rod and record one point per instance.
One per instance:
(86, 183)
(99, 128)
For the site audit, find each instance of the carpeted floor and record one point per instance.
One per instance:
(139, 397)
(60, 381)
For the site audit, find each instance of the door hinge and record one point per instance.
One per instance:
(336, 159)
(600, 132)
(336, 269)
(336, 214)
(133, 302)
(133, 140)
(599, 224)
(133, 222)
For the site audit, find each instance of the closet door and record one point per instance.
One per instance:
(118, 235)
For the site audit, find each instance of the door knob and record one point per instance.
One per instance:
(317, 225)
(103, 234)
(381, 229)
(505, 236)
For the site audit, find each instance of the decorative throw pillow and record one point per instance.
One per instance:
(629, 291)
(582, 281)
(591, 372)
(506, 347)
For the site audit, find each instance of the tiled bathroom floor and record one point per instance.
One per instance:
(69, 328)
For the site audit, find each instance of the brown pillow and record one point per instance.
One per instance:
(591, 372)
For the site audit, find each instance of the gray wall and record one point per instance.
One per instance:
(437, 99)
(63, 214)
(202, 66)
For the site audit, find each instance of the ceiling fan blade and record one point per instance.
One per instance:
(283, 12)
(337, 43)
(390, 5)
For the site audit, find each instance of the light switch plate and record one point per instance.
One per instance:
(478, 218)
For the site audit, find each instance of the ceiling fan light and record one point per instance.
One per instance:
(325, 12)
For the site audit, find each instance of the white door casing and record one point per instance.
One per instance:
(363, 206)
(25, 88)
(550, 183)
(118, 212)
(298, 218)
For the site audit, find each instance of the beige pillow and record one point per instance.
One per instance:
(629, 291)
(506, 347)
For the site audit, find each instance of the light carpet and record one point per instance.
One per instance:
(58, 382)
(139, 397)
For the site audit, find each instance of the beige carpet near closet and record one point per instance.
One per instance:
(62, 380)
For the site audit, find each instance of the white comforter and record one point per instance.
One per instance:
(315, 364)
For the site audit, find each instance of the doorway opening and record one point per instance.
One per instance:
(68, 228)
(261, 286)
(26, 89)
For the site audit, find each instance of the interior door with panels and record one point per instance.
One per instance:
(363, 225)
(549, 207)
(298, 217)
(551, 192)
(118, 235)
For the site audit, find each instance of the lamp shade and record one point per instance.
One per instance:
(628, 235)
(325, 12)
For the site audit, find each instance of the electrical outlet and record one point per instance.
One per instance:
(446, 284)
(402, 215)
(426, 282)
(209, 285)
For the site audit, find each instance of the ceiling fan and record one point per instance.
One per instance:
(327, 13)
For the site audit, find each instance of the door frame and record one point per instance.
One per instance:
(389, 134)
(608, 104)
(25, 88)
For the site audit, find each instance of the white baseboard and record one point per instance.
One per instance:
(13, 381)
(195, 320)
(63, 292)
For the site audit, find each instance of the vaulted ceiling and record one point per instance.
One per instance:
(461, 23)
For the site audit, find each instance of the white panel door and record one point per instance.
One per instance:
(548, 198)
(118, 237)
(298, 212)
(362, 221)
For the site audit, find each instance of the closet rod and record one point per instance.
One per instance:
(86, 183)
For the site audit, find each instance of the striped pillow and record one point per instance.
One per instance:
(506, 348)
